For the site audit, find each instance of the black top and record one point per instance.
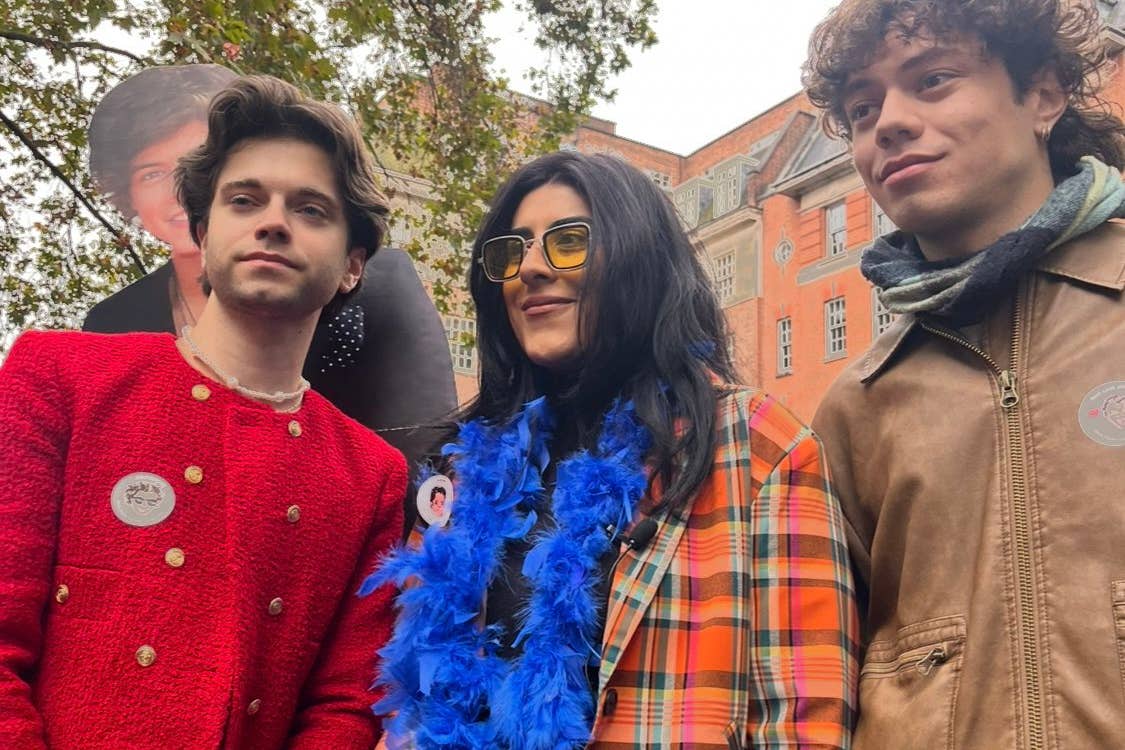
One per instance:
(399, 374)
(509, 594)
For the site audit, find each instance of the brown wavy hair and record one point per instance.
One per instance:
(267, 107)
(1028, 36)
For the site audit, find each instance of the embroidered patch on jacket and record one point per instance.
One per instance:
(142, 499)
(1102, 414)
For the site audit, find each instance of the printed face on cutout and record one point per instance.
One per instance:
(152, 189)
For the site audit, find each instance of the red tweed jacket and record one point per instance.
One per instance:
(178, 564)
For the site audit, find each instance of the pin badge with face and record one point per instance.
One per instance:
(435, 500)
(142, 499)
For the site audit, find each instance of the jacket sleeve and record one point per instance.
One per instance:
(803, 655)
(335, 709)
(844, 453)
(33, 430)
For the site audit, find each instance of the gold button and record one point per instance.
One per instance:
(275, 606)
(193, 474)
(293, 515)
(295, 428)
(174, 557)
(62, 593)
(200, 392)
(146, 655)
(254, 706)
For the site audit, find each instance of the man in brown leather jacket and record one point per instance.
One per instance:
(978, 448)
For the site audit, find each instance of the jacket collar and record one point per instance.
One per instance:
(1096, 258)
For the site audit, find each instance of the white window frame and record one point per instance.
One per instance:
(836, 228)
(835, 328)
(785, 346)
(686, 199)
(464, 357)
(881, 223)
(724, 277)
(881, 317)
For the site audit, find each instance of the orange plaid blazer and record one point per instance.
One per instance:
(736, 626)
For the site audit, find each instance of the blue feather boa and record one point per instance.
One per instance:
(446, 686)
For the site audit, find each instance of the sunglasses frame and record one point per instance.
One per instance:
(527, 241)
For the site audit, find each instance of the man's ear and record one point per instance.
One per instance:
(354, 271)
(1046, 97)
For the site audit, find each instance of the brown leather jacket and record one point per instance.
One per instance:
(983, 479)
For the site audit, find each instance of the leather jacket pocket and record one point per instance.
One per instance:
(1117, 591)
(908, 687)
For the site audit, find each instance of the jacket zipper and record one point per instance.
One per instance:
(1021, 517)
(923, 663)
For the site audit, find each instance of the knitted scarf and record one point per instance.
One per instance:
(446, 685)
(962, 290)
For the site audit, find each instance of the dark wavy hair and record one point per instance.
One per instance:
(142, 110)
(267, 107)
(1028, 36)
(650, 325)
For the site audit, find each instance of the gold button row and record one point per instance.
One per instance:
(254, 706)
(62, 593)
(275, 606)
(293, 514)
(200, 392)
(193, 474)
(174, 557)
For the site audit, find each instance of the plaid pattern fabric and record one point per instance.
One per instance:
(737, 627)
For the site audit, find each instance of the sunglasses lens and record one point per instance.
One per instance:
(502, 256)
(567, 246)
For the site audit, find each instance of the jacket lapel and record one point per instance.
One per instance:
(633, 588)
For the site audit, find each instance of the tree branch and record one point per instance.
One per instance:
(121, 239)
(19, 36)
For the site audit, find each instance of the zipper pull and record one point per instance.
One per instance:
(936, 657)
(1008, 395)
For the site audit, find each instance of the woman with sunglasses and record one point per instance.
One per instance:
(640, 553)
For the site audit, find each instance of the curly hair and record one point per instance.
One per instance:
(142, 110)
(1028, 36)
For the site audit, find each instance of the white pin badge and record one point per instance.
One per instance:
(1102, 414)
(435, 500)
(142, 499)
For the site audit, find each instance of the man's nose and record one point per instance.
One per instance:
(273, 224)
(898, 119)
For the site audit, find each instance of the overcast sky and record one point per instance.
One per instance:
(717, 64)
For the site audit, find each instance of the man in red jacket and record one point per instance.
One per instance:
(183, 525)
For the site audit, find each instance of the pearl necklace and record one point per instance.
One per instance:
(277, 397)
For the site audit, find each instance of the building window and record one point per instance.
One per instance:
(835, 329)
(785, 346)
(456, 330)
(730, 185)
(686, 200)
(836, 219)
(660, 178)
(881, 317)
(724, 277)
(883, 225)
